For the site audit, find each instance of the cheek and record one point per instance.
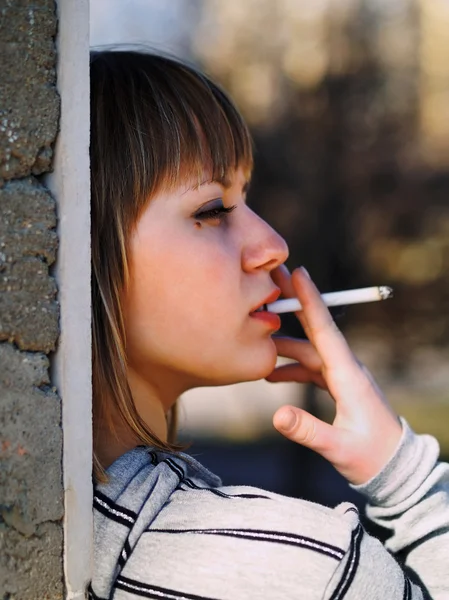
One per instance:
(204, 262)
(183, 280)
(186, 309)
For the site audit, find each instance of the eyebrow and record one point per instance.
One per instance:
(223, 181)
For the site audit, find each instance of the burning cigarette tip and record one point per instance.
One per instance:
(385, 292)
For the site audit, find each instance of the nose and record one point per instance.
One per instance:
(263, 247)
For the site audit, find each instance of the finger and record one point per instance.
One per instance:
(300, 350)
(319, 325)
(282, 278)
(297, 373)
(303, 428)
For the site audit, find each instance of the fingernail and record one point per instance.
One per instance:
(306, 272)
(288, 420)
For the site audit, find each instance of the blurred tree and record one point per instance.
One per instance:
(345, 103)
(348, 101)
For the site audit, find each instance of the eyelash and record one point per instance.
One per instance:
(219, 212)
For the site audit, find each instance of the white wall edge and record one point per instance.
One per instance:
(70, 184)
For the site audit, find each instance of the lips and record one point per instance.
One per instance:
(271, 298)
(260, 313)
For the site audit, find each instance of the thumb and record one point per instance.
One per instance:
(303, 428)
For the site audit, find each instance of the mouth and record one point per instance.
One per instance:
(270, 321)
(262, 307)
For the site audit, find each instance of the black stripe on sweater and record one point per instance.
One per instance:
(153, 458)
(351, 566)
(91, 595)
(114, 511)
(258, 535)
(114, 505)
(152, 591)
(125, 554)
(188, 482)
(175, 468)
(192, 485)
(249, 496)
(407, 589)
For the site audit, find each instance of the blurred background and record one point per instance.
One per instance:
(348, 102)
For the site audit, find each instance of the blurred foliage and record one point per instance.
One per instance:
(349, 105)
(348, 101)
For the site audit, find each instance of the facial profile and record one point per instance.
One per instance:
(200, 264)
(180, 262)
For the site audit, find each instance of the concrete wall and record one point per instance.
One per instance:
(31, 495)
(70, 184)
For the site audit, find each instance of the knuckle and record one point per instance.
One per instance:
(325, 329)
(307, 434)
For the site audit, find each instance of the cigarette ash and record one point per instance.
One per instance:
(385, 292)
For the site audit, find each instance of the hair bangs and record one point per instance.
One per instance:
(198, 130)
(168, 122)
(155, 123)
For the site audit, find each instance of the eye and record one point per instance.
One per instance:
(213, 211)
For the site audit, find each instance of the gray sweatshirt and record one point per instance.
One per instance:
(166, 528)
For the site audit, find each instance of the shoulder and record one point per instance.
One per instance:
(246, 539)
(168, 526)
(238, 510)
(200, 500)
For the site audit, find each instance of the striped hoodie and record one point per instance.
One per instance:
(165, 528)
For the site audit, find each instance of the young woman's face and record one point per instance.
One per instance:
(197, 274)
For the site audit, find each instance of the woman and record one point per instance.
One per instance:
(181, 268)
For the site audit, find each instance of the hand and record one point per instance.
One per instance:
(365, 432)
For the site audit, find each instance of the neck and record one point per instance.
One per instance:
(149, 404)
(113, 437)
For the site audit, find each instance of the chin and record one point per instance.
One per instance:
(249, 364)
(256, 365)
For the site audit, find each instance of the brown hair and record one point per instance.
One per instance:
(154, 122)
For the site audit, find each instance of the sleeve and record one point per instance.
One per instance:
(369, 572)
(410, 497)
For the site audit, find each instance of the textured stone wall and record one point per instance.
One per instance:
(31, 503)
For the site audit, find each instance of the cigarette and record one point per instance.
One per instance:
(370, 294)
